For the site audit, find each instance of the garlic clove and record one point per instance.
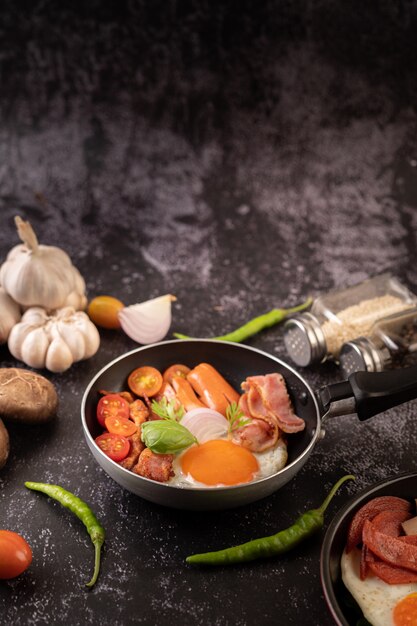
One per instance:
(147, 322)
(35, 316)
(65, 313)
(58, 356)
(89, 331)
(93, 342)
(17, 337)
(72, 337)
(34, 348)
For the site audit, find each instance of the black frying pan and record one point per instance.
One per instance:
(364, 393)
(342, 606)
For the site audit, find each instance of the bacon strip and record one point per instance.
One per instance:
(257, 436)
(252, 406)
(268, 399)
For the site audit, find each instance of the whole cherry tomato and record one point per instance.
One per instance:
(15, 554)
(103, 311)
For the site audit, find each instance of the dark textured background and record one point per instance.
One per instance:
(241, 155)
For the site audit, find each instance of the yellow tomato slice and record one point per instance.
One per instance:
(145, 381)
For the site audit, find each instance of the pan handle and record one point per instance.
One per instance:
(373, 392)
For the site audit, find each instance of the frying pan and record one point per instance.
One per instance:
(341, 604)
(364, 393)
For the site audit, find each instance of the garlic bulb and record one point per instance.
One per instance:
(53, 340)
(147, 322)
(9, 315)
(39, 275)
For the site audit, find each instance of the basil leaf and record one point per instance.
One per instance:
(166, 436)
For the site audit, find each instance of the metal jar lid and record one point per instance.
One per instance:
(360, 355)
(304, 339)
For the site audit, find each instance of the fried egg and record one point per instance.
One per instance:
(220, 463)
(381, 604)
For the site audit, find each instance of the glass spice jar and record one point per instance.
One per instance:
(339, 316)
(392, 343)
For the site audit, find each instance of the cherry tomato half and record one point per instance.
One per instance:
(115, 446)
(175, 370)
(145, 381)
(120, 426)
(103, 311)
(15, 554)
(112, 405)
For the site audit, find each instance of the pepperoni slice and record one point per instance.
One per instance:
(409, 539)
(367, 512)
(366, 557)
(392, 574)
(390, 549)
(389, 521)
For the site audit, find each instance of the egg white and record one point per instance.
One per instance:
(269, 461)
(376, 598)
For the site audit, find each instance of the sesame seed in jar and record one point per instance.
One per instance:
(357, 320)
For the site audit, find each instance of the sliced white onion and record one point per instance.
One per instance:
(205, 424)
(147, 322)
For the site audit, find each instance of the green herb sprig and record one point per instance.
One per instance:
(236, 417)
(168, 410)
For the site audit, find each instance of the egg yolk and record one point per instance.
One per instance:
(219, 462)
(405, 612)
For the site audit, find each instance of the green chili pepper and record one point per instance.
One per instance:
(306, 525)
(254, 326)
(82, 511)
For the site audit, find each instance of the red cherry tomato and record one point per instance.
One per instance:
(15, 554)
(175, 370)
(111, 405)
(115, 446)
(120, 426)
(145, 381)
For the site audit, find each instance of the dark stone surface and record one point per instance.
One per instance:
(241, 157)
